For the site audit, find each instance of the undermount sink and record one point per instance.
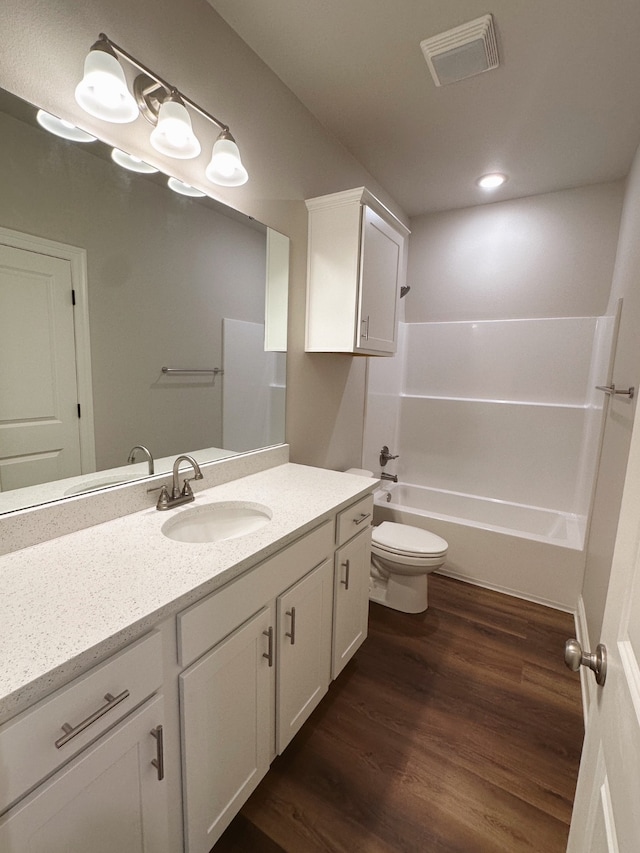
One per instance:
(216, 521)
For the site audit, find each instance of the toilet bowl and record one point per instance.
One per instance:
(401, 558)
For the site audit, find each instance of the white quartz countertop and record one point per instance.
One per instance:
(70, 602)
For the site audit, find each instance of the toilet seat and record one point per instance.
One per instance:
(404, 540)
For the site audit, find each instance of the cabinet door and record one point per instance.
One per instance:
(304, 649)
(227, 701)
(351, 613)
(381, 261)
(108, 798)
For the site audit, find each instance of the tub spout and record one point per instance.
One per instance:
(384, 475)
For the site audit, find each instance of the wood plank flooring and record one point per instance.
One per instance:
(454, 731)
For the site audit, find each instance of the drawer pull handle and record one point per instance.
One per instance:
(158, 761)
(361, 517)
(71, 731)
(292, 634)
(269, 653)
(346, 574)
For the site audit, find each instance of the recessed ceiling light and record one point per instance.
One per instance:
(128, 161)
(62, 128)
(492, 181)
(184, 189)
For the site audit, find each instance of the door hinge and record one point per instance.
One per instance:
(79, 411)
(73, 297)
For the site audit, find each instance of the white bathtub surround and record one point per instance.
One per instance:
(502, 415)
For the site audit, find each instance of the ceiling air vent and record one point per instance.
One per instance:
(462, 52)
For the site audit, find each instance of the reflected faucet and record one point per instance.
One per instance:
(146, 451)
(177, 497)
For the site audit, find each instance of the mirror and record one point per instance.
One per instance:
(160, 281)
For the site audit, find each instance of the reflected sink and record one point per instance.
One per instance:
(217, 521)
(98, 483)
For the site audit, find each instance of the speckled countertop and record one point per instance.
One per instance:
(71, 602)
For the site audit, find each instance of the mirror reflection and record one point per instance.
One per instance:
(159, 281)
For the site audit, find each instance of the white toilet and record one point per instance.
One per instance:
(401, 558)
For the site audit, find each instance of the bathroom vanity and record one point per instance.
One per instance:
(356, 267)
(152, 681)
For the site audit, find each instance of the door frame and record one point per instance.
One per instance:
(77, 259)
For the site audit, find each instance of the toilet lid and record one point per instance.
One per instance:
(406, 539)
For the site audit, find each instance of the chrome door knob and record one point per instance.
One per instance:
(574, 658)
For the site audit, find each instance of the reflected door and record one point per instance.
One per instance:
(606, 817)
(39, 418)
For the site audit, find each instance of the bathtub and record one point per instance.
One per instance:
(532, 552)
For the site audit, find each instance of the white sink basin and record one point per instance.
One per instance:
(216, 521)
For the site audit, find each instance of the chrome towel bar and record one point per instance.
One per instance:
(611, 390)
(214, 371)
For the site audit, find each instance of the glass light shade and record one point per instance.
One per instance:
(128, 161)
(184, 189)
(103, 92)
(225, 168)
(62, 128)
(173, 134)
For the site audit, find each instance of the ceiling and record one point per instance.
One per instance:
(562, 110)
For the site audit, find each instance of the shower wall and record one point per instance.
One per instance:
(503, 409)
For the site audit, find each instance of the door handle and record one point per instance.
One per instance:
(292, 634)
(574, 658)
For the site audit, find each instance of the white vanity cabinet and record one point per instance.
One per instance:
(351, 594)
(356, 266)
(111, 795)
(257, 681)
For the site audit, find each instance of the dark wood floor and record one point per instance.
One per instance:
(459, 729)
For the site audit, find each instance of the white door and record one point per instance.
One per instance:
(606, 816)
(39, 420)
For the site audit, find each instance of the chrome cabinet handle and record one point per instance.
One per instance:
(611, 390)
(269, 653)
(158, 761)
(365, 331)
(361, 517)
(292, 633)
(346, 575)
(574, 658)
(71, 731)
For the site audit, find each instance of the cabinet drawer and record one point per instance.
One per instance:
(28, 742)
(352, 520)
(204, 624)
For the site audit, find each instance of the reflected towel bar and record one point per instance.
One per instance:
(611, 390)
(214, 371)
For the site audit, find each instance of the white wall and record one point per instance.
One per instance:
(288, 154)
(544, 256)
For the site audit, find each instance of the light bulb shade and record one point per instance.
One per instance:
(184, 189)
(173, 135)
(62, 128)
(103, 92)
(225, 168)
(133, 164)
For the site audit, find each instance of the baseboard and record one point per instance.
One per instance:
(588, 685)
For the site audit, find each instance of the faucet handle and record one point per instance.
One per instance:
(187, 491)
(163, 498)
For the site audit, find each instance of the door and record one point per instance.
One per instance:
(227, 700)
(351, 596)
(110, 798)
(305, 614)
(39, 419)
(606, 815)
(380, 267)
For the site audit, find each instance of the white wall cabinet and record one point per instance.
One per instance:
(108, 798)
(356, 266)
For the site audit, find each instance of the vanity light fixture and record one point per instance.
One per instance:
(492, 181)
(103, 93)
(184, 189)
(134, 164)
(60, 127)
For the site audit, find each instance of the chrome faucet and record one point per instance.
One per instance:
(146, 451)
(384, 475)
(177, 497)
